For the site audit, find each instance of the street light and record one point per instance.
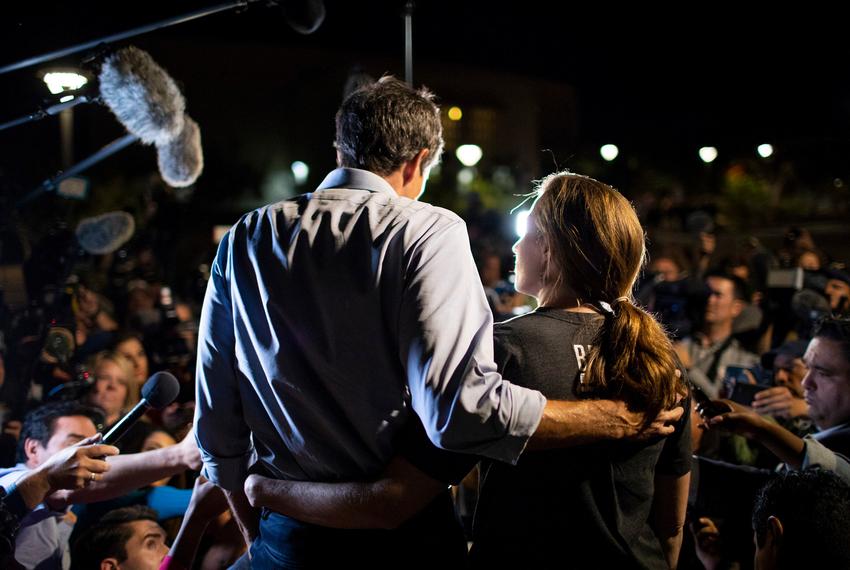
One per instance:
(60, 82)
(469, 154)
(609, 151)
(300, 171)
(708, 154)
(765, 150)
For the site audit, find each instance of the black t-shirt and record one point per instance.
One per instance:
(585, 506)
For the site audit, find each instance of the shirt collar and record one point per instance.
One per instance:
(355, 178)
(830, 431)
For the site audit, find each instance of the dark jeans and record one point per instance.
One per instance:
(433, 538)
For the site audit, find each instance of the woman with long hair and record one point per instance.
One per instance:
(615, 504)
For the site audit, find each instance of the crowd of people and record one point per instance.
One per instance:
(346, 397)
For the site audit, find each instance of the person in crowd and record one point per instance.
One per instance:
(128, 538)
(785, 400)
(709, 351)
(801, 519)
(71, 468)
(114, 393)
(130, 346)
(837, 291)
(724, 491)
(43, 539)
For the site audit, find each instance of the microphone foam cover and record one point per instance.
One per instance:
(181, 159)
(105, 233)
(143, 97)
(160, 390)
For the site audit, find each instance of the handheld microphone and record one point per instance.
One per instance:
(160, 390)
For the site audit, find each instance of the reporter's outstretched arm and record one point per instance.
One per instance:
(75, 467)
(130, 472)
(785, 445)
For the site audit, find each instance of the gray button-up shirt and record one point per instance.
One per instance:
(327, 317)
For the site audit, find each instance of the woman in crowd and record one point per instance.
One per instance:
(130, 346)
(115, 392)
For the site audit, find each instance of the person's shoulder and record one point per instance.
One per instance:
(259, 217)
(423, 211)
(518, 322)
(742, 353)
(9, 475)
(522, 326)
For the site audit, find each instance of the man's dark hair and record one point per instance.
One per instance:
(814, 509)
(837, 329)
(385, 124)
(40, 422)
(740, 286)
(108, 537)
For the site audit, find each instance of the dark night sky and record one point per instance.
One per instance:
(661, 82)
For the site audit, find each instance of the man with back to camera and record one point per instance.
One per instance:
(328, 317)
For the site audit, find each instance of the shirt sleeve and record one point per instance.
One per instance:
(815, 454)
(446, 344)
(222, 434)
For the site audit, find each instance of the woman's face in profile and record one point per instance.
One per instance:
(530, 259)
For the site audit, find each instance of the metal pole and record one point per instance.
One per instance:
(66, 131)
(408, 42)
(44, 113)
(124, 35)
(105, 152)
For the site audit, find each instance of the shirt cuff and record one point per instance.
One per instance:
(229, 473)
(527, 406)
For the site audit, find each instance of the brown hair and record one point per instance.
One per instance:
(382, 125)
(596, 248)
